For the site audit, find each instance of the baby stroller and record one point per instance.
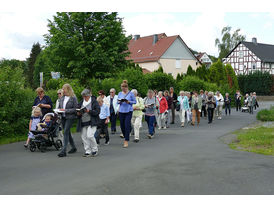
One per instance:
(245, 107)
(44, 139)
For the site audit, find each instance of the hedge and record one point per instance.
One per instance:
(259, 82)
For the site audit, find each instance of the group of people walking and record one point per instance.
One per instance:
(158, 107)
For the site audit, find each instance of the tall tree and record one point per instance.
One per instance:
(228, 41)
(190, 71)
(35, 51)
(87, 44)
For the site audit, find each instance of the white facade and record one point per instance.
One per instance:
(244, 61)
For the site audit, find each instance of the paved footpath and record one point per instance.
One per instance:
(190, 160)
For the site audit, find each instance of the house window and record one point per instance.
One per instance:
(253, 66)
(178, 64)
(241, 54)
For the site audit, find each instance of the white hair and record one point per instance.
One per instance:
(134, 91)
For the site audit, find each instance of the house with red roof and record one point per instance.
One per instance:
(204, 58)
(169, 52)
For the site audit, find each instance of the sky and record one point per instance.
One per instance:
(20, 30)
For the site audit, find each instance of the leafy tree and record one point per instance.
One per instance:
(15, 64)
(231, 77)
(190, 71)
(83, 45)
(217, 73)
(228, 41)
(201, 72)
(160, 81)
(160, 69)
(35, 51)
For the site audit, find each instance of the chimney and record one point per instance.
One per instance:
(155, 38)
(136, 37)
(254, 40)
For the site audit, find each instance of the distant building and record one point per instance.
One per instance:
(204, 58)
(247, 57)
(151, 52)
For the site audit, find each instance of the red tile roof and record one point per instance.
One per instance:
(199, 55)
(143, 50)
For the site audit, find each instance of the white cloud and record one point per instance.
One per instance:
(198, 33)
(18, 31)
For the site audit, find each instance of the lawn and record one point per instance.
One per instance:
(266, 114)
(258, 140)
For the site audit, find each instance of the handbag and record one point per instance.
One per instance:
(178, 107)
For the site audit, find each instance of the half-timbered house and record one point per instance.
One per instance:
(248, 57)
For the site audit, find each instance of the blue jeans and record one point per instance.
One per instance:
(113, 118)
(150, 124)
(67, 124)
(227, 108)
(125, 124)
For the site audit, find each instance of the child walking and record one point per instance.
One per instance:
(34, 120)
(102, 127)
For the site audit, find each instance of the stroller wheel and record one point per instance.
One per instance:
(32, 147)
(58, 144)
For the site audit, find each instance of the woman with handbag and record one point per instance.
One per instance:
(151, 104)
(162, 110)
(137, 115)
(196, 108)
(210, 102)
(183, 105)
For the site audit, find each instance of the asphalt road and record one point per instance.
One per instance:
(190, 160)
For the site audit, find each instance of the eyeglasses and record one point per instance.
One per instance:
(111, 92)
(59, 93)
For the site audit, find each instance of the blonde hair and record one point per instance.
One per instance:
(69, 89)
(36, 109)
(39, 90)
(60, 91)
(100, 99)
(124, 84)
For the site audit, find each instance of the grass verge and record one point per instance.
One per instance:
(258, 140)
(12, 139)
(266, 114)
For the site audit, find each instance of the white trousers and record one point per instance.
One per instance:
(136, 122)
(87, 134)
(189, 116)
(182, 115)
(162, 120)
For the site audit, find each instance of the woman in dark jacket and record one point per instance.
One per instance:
(88, 111)
(43, 101)
(68, 104)
(227, 101)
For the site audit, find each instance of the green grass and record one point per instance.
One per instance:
(12, 139)
(266, 114)
(258, 140)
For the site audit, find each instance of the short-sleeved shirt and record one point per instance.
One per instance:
(104, 112)
(44, 100)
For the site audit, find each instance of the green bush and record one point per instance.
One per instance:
(53, 84)
(160, 81)
(193, 83)
(259, 82)
(16, 102)
(136, 80)
(266, 114)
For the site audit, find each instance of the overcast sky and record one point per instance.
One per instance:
(18, 31)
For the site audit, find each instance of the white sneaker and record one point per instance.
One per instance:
(164, 127)
(159, 128)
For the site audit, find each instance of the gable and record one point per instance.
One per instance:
(178, 50)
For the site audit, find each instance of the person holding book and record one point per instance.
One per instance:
(137, 116)
(88, 118)
(68, 105)
(125, 99)
(43, 101)
(151, 105)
